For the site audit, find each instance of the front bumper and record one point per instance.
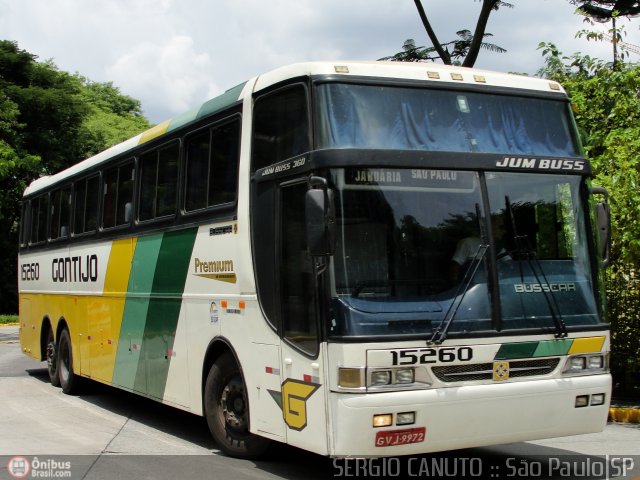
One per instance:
(470, 416)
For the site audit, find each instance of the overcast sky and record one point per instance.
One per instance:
(173, 55)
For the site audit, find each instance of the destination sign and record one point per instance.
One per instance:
(406, 177)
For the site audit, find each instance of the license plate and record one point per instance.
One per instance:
(392, 438)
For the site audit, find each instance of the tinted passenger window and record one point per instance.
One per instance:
(39, 219)
(158, 181)
(118, 196)
(212, 167)
(60, 213)
(86, 197)
(281, 126)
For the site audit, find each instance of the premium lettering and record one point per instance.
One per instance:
(215, 266)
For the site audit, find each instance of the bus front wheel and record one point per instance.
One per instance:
(227, 410)
(68, 379)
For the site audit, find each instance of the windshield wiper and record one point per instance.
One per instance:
(524, 250)
(442, 331)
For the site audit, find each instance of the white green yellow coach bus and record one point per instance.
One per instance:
(357, 259)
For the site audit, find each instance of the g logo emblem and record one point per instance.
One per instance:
(295, 394)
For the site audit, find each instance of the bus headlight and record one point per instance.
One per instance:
(586, 363)
(380, 377)
(406, 375)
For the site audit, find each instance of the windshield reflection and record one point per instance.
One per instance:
(411, 247)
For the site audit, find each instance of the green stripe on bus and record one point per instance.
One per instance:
(135, 310)
(552, 348)
(221, 102)
(509, 351)
(544, 348)
(163, 312)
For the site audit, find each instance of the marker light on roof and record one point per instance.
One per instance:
(457, 76)
(433, 75)
(480, 78)
(341, 69)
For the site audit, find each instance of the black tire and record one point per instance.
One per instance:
(227, 411)
(52, 359)
(69, 381)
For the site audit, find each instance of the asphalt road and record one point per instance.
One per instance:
(106, 433)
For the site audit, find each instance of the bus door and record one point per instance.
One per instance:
(303, 378)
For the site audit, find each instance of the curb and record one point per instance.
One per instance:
(624, 414)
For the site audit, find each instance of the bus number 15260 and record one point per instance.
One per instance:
(421, 356)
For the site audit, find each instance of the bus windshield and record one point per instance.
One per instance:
(403, 118)
(412, 250)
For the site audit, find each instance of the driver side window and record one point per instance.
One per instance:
(297, 282)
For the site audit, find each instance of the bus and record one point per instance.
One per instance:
(359, 259)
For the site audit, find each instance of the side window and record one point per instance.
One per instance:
(39, 219)
(212, 167)
(118, 195)
(24, 223)
(86, 194)
(296, 278)
(60, 213)
(158, 182)
(280, 126)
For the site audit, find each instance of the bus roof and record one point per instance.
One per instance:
(427, 71)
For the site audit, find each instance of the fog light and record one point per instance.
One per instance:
(381, 377)
(582, 401)
(405, 376)
(350, 377)
(406, 418)
(596, 362)
(577, 364)
(383, 420)
(597, 399)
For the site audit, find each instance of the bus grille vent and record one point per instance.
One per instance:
(484, 371)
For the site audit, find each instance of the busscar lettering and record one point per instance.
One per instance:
(541, 163)
(544, 287)
(78, 269)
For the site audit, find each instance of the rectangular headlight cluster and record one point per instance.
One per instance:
(400, 376)
(362, 379)
(586, 363)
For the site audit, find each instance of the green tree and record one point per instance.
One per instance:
(606, 102)
(49, 120)
(461, 51)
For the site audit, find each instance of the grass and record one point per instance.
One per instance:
(8, 319)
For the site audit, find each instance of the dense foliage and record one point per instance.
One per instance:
(606, 102)
(49, 120)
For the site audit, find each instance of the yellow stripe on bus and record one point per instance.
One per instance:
(105, 313)
(586, 345)
(154, 132)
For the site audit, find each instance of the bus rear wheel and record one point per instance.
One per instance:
(227, 410)
(52, 359)
(68, 379)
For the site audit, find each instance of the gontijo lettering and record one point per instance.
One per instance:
(83, 268)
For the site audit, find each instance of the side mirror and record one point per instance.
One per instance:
(603, 223)
(321, 219)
